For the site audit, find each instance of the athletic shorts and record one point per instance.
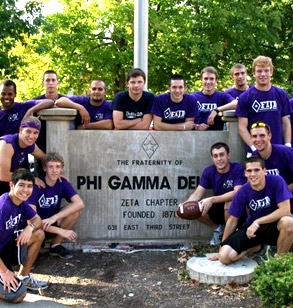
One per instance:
(217, 213)
(266, 234)
(12, 254)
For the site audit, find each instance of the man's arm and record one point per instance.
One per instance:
(197, 194)
(243, 131)
(43, 104)
(74, 206)
(230, 106)
(103, 124)
(6, 153)
(38, 153)
(120, 123)
(160, 125)
(65, 102)
(8, 277)
(35, 223)
(208, 202)
(230, 227)
(286, 126)
(144, 124)
(284, 209)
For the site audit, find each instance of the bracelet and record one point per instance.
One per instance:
(288, 144)
(33, 226)
(256, 224)
(217, 110)
(183, 127)
(4, 273)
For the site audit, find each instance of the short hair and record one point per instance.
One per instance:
(9, 83)
(209, 69)
(219, 145)
(31, 119)
(53, 156)
(22, 174)
(50, 72)
(260, 124)
(262, 61)
(100, 80)
(176, 77)
(255, 159)
(237, 65)
(136, 72)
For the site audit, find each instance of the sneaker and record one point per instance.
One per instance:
(61, 252)
(32, 283)
(217, 236)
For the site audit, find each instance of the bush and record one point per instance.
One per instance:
(273, 281)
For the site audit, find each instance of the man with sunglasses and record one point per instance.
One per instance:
(278, 158)
(264, 102)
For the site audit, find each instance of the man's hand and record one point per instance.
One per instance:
(68, 234)
(202, 126)
(48, 222)
(24, 236)
(211, 117)
(214, 258)
(206, 205)
(9, 280)
(250, 232)
(85, 116)
(40, 183)
(189, 125)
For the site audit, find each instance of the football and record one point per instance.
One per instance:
(189, 210)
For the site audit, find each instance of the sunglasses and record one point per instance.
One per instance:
(259, 124)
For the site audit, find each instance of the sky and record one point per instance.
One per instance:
(50, 6)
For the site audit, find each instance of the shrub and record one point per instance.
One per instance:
(273, 281)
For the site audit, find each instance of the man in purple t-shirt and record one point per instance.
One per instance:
(224, 178)
(264, 102)
(266, 198)
(94, 111)
(210, 102)
(18, 247)
(57, 223)
(239, 76)
(175, 110)
(11, 113)
(15, 148)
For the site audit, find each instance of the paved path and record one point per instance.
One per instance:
(33, 300)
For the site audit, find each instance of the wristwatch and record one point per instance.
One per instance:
(217, 110)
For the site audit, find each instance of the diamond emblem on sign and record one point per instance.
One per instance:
(150, 145)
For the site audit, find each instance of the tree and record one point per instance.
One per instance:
(15, 24)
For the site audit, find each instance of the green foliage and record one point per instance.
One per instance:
(94, 39)
(14, 25)
(273, 281)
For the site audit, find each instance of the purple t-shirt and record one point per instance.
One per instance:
(291, 117)
(97, 113)
(20, 154)
(48, 199)
(235, 93)
(173, 113)
(207, 103)
(10, 119)
(266, 106)
(222, 183)
(130, 108)
(10, 216)
(259, 203)
(280, 162)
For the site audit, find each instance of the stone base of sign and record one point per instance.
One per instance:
(214, 272)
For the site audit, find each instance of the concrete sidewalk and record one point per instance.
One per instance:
(33, 300)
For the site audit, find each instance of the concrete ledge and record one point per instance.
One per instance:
(214, 272)
(58, 114)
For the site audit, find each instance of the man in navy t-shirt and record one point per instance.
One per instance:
(266, 199)
(224, 178)
(57, 222)
(132, 108)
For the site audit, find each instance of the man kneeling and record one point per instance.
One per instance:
(269, 222)
(57, 223)
(18, 247)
